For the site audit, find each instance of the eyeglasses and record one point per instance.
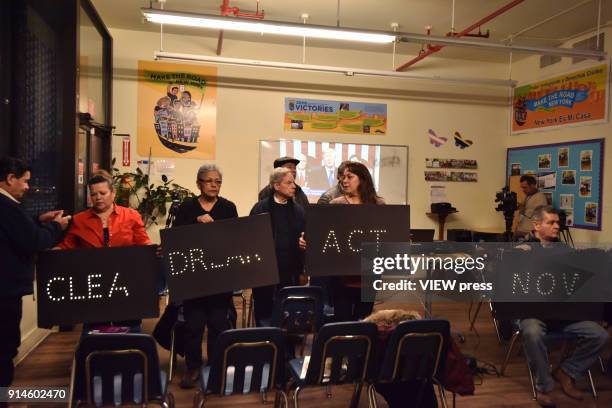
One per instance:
(211, 181)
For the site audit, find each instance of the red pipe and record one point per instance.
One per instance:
(432, 49)
(226, 10)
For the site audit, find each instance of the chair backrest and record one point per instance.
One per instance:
(421, 235)
(247, 360)
(342, 353)
(115, 369)
(416, 350)
(298, 309)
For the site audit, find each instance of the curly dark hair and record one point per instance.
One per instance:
(366, 190)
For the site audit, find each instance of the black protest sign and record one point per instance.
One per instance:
(219, 257)
(335, 233)
(97, 285)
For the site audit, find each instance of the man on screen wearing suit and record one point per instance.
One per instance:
(21, 237)
(324, 177)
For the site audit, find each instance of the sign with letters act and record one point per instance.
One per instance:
(219, 257)
(97, 285)
(335, 232)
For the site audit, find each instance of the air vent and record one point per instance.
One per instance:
(589, 44)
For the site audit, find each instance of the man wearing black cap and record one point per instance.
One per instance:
(290, 163)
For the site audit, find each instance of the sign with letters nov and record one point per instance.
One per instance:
(335, 232)
(219, 257)
(97, 285)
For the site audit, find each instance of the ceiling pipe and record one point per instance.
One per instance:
(351, 72)
(436, 48)
(226, 10)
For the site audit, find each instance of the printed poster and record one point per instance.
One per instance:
(579, 97)
(177, 109)
(313, 115)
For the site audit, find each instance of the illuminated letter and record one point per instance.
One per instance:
(57, 278)
(177, 271)
(331, 234)
(517, 279)
(117, 288)
(196, 255)
(91, 286)
(72, 295)
(350, 237)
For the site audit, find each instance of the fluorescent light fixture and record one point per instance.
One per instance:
(170, 56)
(264, 27)
(460, 42)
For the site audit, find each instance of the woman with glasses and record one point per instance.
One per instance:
(287, 228)
(211, 311)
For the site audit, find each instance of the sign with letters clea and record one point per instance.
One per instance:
(97, 285)
(334, 234)
(219, 257)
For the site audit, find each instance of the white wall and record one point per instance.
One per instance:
(479, 113)
(528, 70)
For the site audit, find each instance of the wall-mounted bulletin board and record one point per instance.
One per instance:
(570, 174)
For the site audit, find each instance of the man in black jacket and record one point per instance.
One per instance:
(21, 237)
(290, 163)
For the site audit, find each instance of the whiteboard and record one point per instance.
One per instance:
(388, 165)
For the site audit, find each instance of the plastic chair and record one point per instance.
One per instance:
(342, 353)
(298, 309)
(116, 369)
(245, 361)
(415, 351)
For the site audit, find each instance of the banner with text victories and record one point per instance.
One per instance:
(97, 285)
(219, 257)
(578, 97)
(313, 115)
(500, 272)
(335, 233)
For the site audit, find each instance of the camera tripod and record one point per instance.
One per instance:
(566, 236)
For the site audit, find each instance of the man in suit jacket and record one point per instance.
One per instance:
(324, 177)
(21, 237)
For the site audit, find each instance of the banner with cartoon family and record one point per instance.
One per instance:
(313, 115)
(578, 97)
(177, 110)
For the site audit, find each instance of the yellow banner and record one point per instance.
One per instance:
(574, 98)
(177, 110)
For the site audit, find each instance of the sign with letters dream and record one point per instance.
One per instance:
(335, 232)
(97, 285)
(219, 257)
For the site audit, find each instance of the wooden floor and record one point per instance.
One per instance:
(49, 365)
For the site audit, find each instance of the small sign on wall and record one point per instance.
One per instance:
(125, 151)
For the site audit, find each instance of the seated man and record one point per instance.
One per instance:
(592, 337)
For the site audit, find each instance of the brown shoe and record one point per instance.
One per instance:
(567, 384)
(190, 377)
(545, 400)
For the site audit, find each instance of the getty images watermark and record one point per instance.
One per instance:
(501, 272)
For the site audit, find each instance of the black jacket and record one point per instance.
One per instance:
(295, 226)
(21, 237)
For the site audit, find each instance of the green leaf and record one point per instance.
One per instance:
(164, 178)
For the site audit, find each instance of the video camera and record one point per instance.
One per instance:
(508, 204)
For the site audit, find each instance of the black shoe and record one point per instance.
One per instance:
(190, 378)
